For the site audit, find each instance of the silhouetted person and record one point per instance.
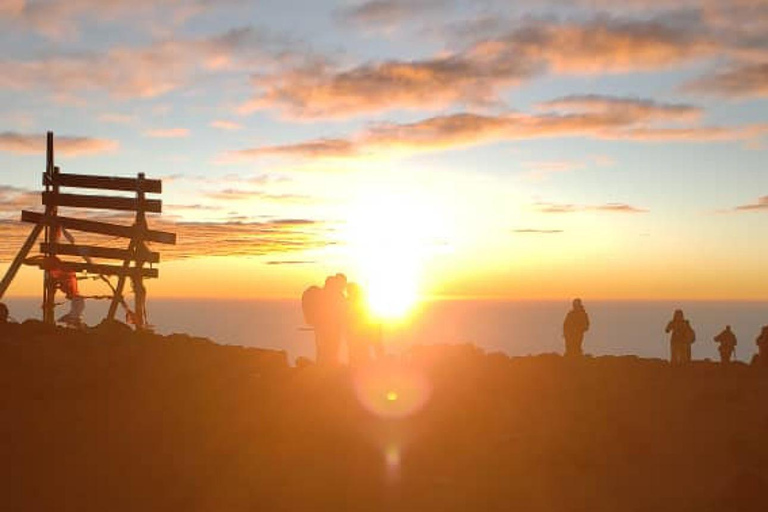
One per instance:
(690, 339)
(575, 325)
(4, 313)
(680, 340)
(727, 341)
(762, 347)
(325, 310)
(363, 333)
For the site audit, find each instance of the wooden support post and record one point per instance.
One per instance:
(140, 293)
(51, 233)
(16, 263)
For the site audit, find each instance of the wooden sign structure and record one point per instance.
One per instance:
(53, 226)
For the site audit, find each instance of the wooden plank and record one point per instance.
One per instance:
(103, 202)
(107, 270)
(93, 251)
(99, 228)
(107, 183)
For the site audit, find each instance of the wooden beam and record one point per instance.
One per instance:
(93, 268)
(107, 183)
(103, 202)
(100, 228)
(92, 251)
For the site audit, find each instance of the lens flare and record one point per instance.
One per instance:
(392, 390)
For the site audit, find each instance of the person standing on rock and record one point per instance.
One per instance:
(325, 310)
(575, 325)
(679, 341)
(762, 347)
(727, 341)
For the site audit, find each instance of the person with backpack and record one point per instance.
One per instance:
(682, 336)
(325, 310)
(727, 341)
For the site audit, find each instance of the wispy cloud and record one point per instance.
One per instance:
(61, 19)
(532, 231)
(598, 117)
(226, 125)
(384, 14)
(33, 144)
(577, 208)
(232, 194)
(135, 72)
(760, 205)
(477, 74)
(748, 80)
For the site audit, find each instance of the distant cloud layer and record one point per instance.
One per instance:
(480, 72)
(599, 117)
(135, 71)
(33, 144)
(577, 208)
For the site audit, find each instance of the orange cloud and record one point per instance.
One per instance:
(387, 13)
(575, 208)
(760, 205)
(748, 80)
(276, 237)
(596, 117)
(133, 72)
(61, 18)
(477, 74)
(226, 125)
(33, 144)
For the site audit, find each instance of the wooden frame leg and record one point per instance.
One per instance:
(120, 287)
(20, 257)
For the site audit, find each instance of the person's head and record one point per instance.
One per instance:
(3, 313)
(678, 315)
(727, 327)
(336, 284)
(577, 304)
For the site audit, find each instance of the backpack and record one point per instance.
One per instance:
(311, 304)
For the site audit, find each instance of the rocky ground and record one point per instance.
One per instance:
(107, 419)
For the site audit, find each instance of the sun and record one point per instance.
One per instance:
(391, 237)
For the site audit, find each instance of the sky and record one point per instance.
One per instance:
(490, 149)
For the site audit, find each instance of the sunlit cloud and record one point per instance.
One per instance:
(598, 117)
(742, 81)
(273, 238)
(577, 208)
(477, 74)
(135, 72)
(34, 144)
(388, 13)
(255, 195)
(532, 231)
(226, 125)
(760, 205)
(61, 19)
